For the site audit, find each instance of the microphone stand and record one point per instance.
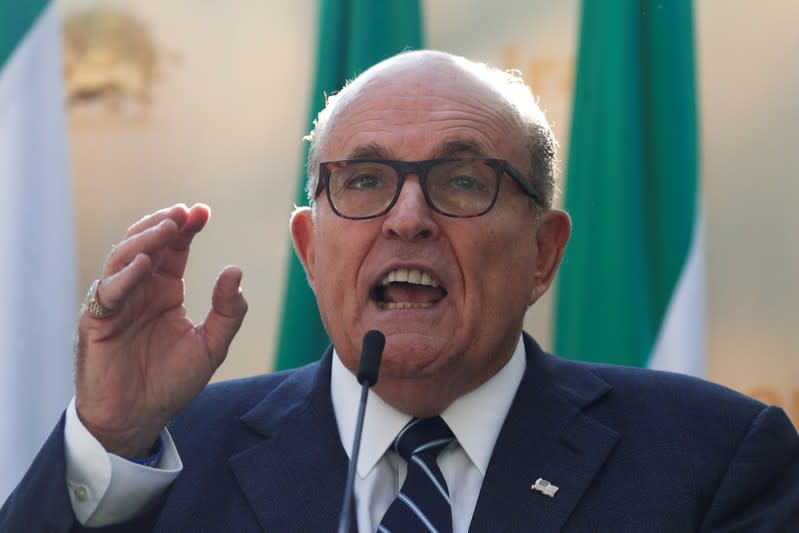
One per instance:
(371, 354)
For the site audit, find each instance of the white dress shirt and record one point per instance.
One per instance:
(475, 419)
(106, 489)
(103, 487)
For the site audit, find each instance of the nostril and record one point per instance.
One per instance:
(421, 234)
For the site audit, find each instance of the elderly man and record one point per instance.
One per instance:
(431, 180)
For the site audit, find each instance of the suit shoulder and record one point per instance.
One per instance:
(672, 398)
(666, 385)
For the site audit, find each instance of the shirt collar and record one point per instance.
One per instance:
(475, 418)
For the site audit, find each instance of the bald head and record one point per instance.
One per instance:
(413, 76)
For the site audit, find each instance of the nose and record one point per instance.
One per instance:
(411, 219)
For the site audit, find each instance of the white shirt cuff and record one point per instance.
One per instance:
(106, 489)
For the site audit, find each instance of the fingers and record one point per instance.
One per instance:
(178, 213)
(170, 229)
(147, 241)
(173, 260)
(158, 243)
(197, 217)
(115, 288)
(228, 308)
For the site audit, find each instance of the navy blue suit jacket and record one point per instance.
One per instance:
(631, 450)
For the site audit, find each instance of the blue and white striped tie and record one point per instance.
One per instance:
(423, 501)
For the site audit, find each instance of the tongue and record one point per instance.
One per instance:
(408, 292)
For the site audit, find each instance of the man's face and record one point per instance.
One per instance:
(448, 293)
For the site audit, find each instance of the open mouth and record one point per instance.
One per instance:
(407, 288)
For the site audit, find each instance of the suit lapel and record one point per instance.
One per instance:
(546, 435)
(294, 478)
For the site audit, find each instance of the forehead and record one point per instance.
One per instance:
(422, 109)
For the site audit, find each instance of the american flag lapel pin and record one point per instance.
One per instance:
(544, 487)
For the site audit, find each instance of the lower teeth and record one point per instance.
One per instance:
(404, 305)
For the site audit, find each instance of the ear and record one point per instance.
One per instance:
(303, 237)
(552, 234)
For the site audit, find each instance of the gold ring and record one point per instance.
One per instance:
(92, 302)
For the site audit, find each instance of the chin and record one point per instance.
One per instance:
(411, 356)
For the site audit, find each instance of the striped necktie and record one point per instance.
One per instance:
(423, 501)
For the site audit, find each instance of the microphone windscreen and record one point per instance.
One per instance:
(372, 352)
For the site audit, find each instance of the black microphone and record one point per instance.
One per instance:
(371, 353)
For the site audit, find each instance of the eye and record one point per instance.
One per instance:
(364, 182)
(467, 184)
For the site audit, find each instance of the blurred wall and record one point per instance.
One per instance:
(748, 86)
(222, 123)
(207, 101)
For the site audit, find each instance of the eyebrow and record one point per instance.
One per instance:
(447, 148)
(452, 147)
(369, 150)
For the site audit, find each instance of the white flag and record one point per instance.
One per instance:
(38, 300)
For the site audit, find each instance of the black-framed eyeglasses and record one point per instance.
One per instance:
(455, 187)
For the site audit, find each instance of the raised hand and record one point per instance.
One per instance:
(144, 361)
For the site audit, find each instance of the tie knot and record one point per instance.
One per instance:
(423, 436)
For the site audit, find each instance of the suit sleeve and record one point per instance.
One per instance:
(759, 491)
(44, 487)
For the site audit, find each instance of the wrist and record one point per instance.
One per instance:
(133, 447)
(128, 443)
(150, 460)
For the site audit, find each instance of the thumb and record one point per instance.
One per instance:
(228, 308)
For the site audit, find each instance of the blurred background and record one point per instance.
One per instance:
(187, 101)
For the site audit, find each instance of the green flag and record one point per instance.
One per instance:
(353, 35)
(631, 288)
(37, 271)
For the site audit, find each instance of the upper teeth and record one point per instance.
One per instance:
(409, 275)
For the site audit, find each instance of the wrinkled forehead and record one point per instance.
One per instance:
(428, 98)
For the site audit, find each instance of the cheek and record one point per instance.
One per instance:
(341, 253)
(336, 272)
(502, 272)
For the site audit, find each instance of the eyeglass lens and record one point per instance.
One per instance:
(458, 188)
